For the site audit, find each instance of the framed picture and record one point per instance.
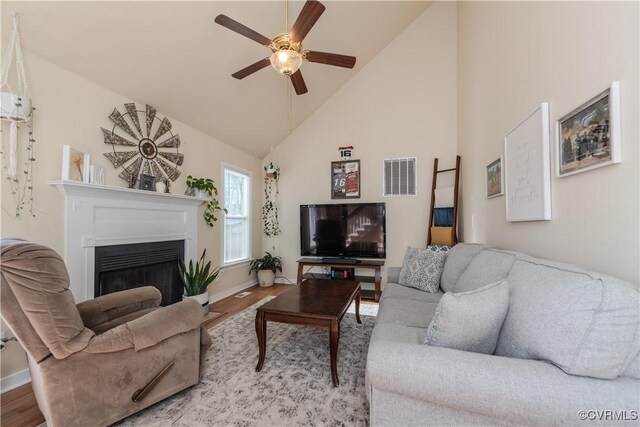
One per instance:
(75, 164)
(589, 136)
(147, 182)
(493, 179)
(345, 179)
(527, 171)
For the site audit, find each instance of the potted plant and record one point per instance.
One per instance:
(266, 268)
(206, 188)
(196, 279)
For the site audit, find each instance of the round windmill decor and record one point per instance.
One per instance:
(153, 151)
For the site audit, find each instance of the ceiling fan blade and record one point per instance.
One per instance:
(331, 59)
(233, 25)
(247, 71)
(298, 83)
(310, 13)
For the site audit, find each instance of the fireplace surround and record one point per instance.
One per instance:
(99, 216)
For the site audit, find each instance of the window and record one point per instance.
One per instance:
(399, 177)
(237, 221)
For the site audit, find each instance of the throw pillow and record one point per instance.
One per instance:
(470, 321)
(421, 269)
(438, 248)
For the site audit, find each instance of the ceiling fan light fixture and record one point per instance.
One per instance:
(286, 61)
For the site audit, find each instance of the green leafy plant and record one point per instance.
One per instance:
(213, 205)
(271, 224)
(267, 262)
(197, 278)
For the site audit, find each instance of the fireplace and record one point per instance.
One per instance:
(121, 267)
(98, 217)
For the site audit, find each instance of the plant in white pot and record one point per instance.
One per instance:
(196, 279)
(266, 268)
(206, 188)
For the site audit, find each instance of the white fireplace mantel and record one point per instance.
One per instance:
(101, 215)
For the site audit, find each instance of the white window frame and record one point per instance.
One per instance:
(235, 263)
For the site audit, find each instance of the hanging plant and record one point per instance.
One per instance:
(270, 208)
(207, 188)
(15, 108)
(20, 182)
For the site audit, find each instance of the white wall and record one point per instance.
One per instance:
(71, 110)
(402, 104)
(511, 57)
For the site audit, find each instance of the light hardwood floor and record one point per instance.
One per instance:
(19, 407)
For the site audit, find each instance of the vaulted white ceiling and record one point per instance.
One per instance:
(170, 54)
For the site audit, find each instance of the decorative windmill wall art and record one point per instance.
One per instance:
(153, 150)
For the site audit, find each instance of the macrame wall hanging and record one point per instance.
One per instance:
(271, 226)
(15, 108)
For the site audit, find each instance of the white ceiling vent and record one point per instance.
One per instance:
(399, 177)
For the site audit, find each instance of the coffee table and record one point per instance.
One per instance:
(315, 302)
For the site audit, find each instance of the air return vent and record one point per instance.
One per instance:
(399, 177)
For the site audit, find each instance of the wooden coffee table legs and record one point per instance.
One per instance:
(334, 335)
(261, 331)
(334, 339)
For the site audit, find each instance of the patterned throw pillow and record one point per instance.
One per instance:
(439, 248)
(421, 269)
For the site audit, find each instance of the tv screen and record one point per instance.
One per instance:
(343, 230)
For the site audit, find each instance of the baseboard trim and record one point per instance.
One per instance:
(15, 380)
(241, 287)
(284, 280)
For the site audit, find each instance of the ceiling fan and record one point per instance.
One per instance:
(287, 53)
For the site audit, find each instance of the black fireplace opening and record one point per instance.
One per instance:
(121, 267)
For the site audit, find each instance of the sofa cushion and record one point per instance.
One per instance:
(470, 321)
(458, 259)
(394, 290)
(392, 332)
(584, 323)
(633, 368)
(406, 312)
(422, 268)
(489, 266)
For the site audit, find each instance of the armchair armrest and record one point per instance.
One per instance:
(108, 307)
(150, 329)
(497, 387)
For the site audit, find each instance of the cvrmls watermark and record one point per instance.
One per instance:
(608, 415)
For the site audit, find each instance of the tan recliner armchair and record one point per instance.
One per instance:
(101, 360)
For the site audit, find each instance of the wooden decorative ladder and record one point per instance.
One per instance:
(452, 239)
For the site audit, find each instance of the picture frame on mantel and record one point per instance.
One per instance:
(527, 169)
(75, 164)
(345, 179)
(494, 179)
(588, 137)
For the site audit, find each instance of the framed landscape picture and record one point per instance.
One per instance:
(345, 179)
(589, 136)
(493, 179)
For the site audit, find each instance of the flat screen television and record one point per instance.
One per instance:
(354, 230)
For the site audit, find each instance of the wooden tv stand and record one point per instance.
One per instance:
(375, 265)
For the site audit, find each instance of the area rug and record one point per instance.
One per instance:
(293, 388)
